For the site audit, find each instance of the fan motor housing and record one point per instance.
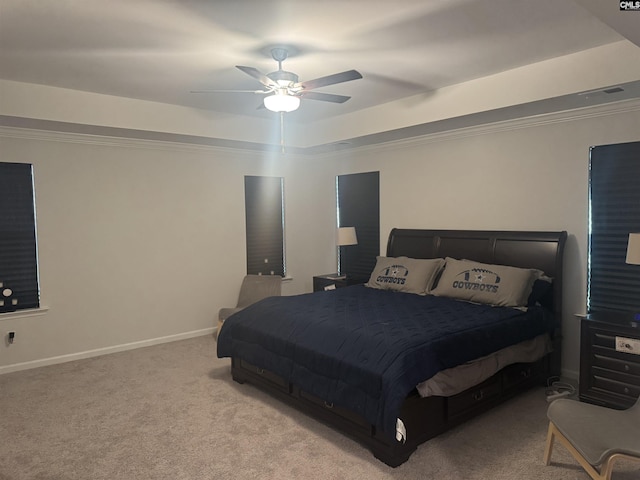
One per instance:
(283, 77)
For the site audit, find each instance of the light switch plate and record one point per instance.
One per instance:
(628, 345)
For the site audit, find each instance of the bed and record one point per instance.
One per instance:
(405, 357)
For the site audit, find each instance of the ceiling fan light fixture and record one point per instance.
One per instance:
(285, 90)
(281, 102)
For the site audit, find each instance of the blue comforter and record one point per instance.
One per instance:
(367, 349)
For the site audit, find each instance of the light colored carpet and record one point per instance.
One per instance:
(172, 412)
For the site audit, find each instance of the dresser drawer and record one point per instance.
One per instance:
(608, 384)
(616, 376)
(330, 281)
(622, 363)
(602, 339)
(607, 376)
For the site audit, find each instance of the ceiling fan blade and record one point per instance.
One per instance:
(231, 91)
(331, 79)
(324, 97)
(255, 73)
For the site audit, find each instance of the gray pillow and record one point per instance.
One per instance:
(484, 283)
(404, 274)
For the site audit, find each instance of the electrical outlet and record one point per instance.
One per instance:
(628, 345)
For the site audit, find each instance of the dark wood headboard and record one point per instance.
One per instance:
(541, 250)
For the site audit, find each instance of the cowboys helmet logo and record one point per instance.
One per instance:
(393, 274)
(478, 279)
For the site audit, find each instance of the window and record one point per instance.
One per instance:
(18, 252)
(264, 216)
(614, 212)
(359, 206)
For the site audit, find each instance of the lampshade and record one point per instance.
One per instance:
(633, 249)
(346, 236)
(281, 102)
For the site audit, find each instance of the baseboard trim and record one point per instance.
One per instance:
(103, 351)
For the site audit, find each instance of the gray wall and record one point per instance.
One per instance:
(143, 242)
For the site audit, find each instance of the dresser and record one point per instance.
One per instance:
(610, 359)
(329, 281)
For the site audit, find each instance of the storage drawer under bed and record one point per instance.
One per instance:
(263, 375)
(470, 399)
(521, 373)
(334, 409)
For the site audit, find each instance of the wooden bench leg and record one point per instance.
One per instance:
(607, 466)
(554, 433)
(606, 470)
(549, 446)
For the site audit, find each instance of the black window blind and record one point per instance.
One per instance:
(359, 206)
(614, 212)
(264, 225)
(18, 252)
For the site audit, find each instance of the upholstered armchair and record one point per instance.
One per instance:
(253, 288)
(596, 436)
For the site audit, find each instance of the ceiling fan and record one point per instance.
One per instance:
(283, 89)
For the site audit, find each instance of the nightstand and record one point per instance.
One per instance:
(610, 359)
(330, 280)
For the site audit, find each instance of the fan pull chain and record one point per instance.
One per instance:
(282, 131)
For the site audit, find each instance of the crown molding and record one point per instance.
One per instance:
(182, 143)
(604, 110)
(121, 142)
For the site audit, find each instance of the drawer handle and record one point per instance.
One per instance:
(477, 396)
(627, 368)
(525, 373)
(259, 371)
(626, 390)
(328, 404)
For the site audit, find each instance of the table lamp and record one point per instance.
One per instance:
(345, 236)
(633, 249)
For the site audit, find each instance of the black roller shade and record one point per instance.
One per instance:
(18, 253)
(264, 224)
(614, 194)
(359, 207)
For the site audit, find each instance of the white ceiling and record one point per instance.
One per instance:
(161, 50)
